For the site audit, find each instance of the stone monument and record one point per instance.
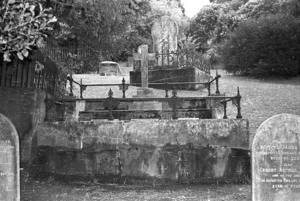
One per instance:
(276, 159)
(164, 33)
(9, 161)
(141, 62)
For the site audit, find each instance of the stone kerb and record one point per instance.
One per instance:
(276, 159)
(9, 161)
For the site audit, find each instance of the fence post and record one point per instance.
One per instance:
(166, 89)
(225, 109)
(207, 85)
(123, 87)
(71, 85)
(217, 83)
(238, 97)
(110, 103)
(82, 88)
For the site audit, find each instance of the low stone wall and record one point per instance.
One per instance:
(173, 75)
(178, 150)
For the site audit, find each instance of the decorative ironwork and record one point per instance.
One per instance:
(236, 100)
(82, 88)
(166, 86)
(123, 87)
(238, 97)
(207, 86)
(217, 82)
(111, 103)
(70, 79)
(174, 102)
(225, 109)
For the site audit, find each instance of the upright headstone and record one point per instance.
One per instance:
(164, 33)
(9, 161)
(276, 159)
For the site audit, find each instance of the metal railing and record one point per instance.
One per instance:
(113, 105)
(124, 86)
(176, 60)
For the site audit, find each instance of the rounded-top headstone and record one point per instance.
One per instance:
(9, 161)
(276, 159)
(164, 33)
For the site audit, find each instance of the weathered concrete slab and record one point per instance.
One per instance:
(9, 161)
(276, 159)
(182, 150)
(152, 132)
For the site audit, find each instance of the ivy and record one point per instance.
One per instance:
(23, 25)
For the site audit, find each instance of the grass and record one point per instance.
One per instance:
(261, 99)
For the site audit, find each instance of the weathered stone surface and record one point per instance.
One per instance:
(276, 159)
(9, 161)
(152, 132)
(164, 33)
(174, 75)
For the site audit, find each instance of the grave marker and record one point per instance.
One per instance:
(164, 30)
(9, 161)
(164, 33)
(141, 61)
(276, 159)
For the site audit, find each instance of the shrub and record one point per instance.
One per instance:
(264, 47)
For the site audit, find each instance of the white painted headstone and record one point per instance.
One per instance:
(276, 159)
(9, 161)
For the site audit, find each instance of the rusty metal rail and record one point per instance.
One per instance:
(111, 105)
(124, 86)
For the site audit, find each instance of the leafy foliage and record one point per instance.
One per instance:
(211, 25)
(23, 25)
(267, 46)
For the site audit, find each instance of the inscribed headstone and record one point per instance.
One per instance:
(276, 159)
(9, 161)
(164, 33)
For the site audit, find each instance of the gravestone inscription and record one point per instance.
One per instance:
(276, 159)
(9, 161)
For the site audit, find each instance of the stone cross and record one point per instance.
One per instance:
(9, 161)
(276, 159)
(144, 57)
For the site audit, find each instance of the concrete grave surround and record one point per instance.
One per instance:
(9, 161)
(181, 150)
(276, 159)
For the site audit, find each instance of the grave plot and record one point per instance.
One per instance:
(167, 64)
(144, 137)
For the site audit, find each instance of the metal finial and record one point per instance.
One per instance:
(110, 93)
(238, 91)
(174, 92)
(123, 80)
